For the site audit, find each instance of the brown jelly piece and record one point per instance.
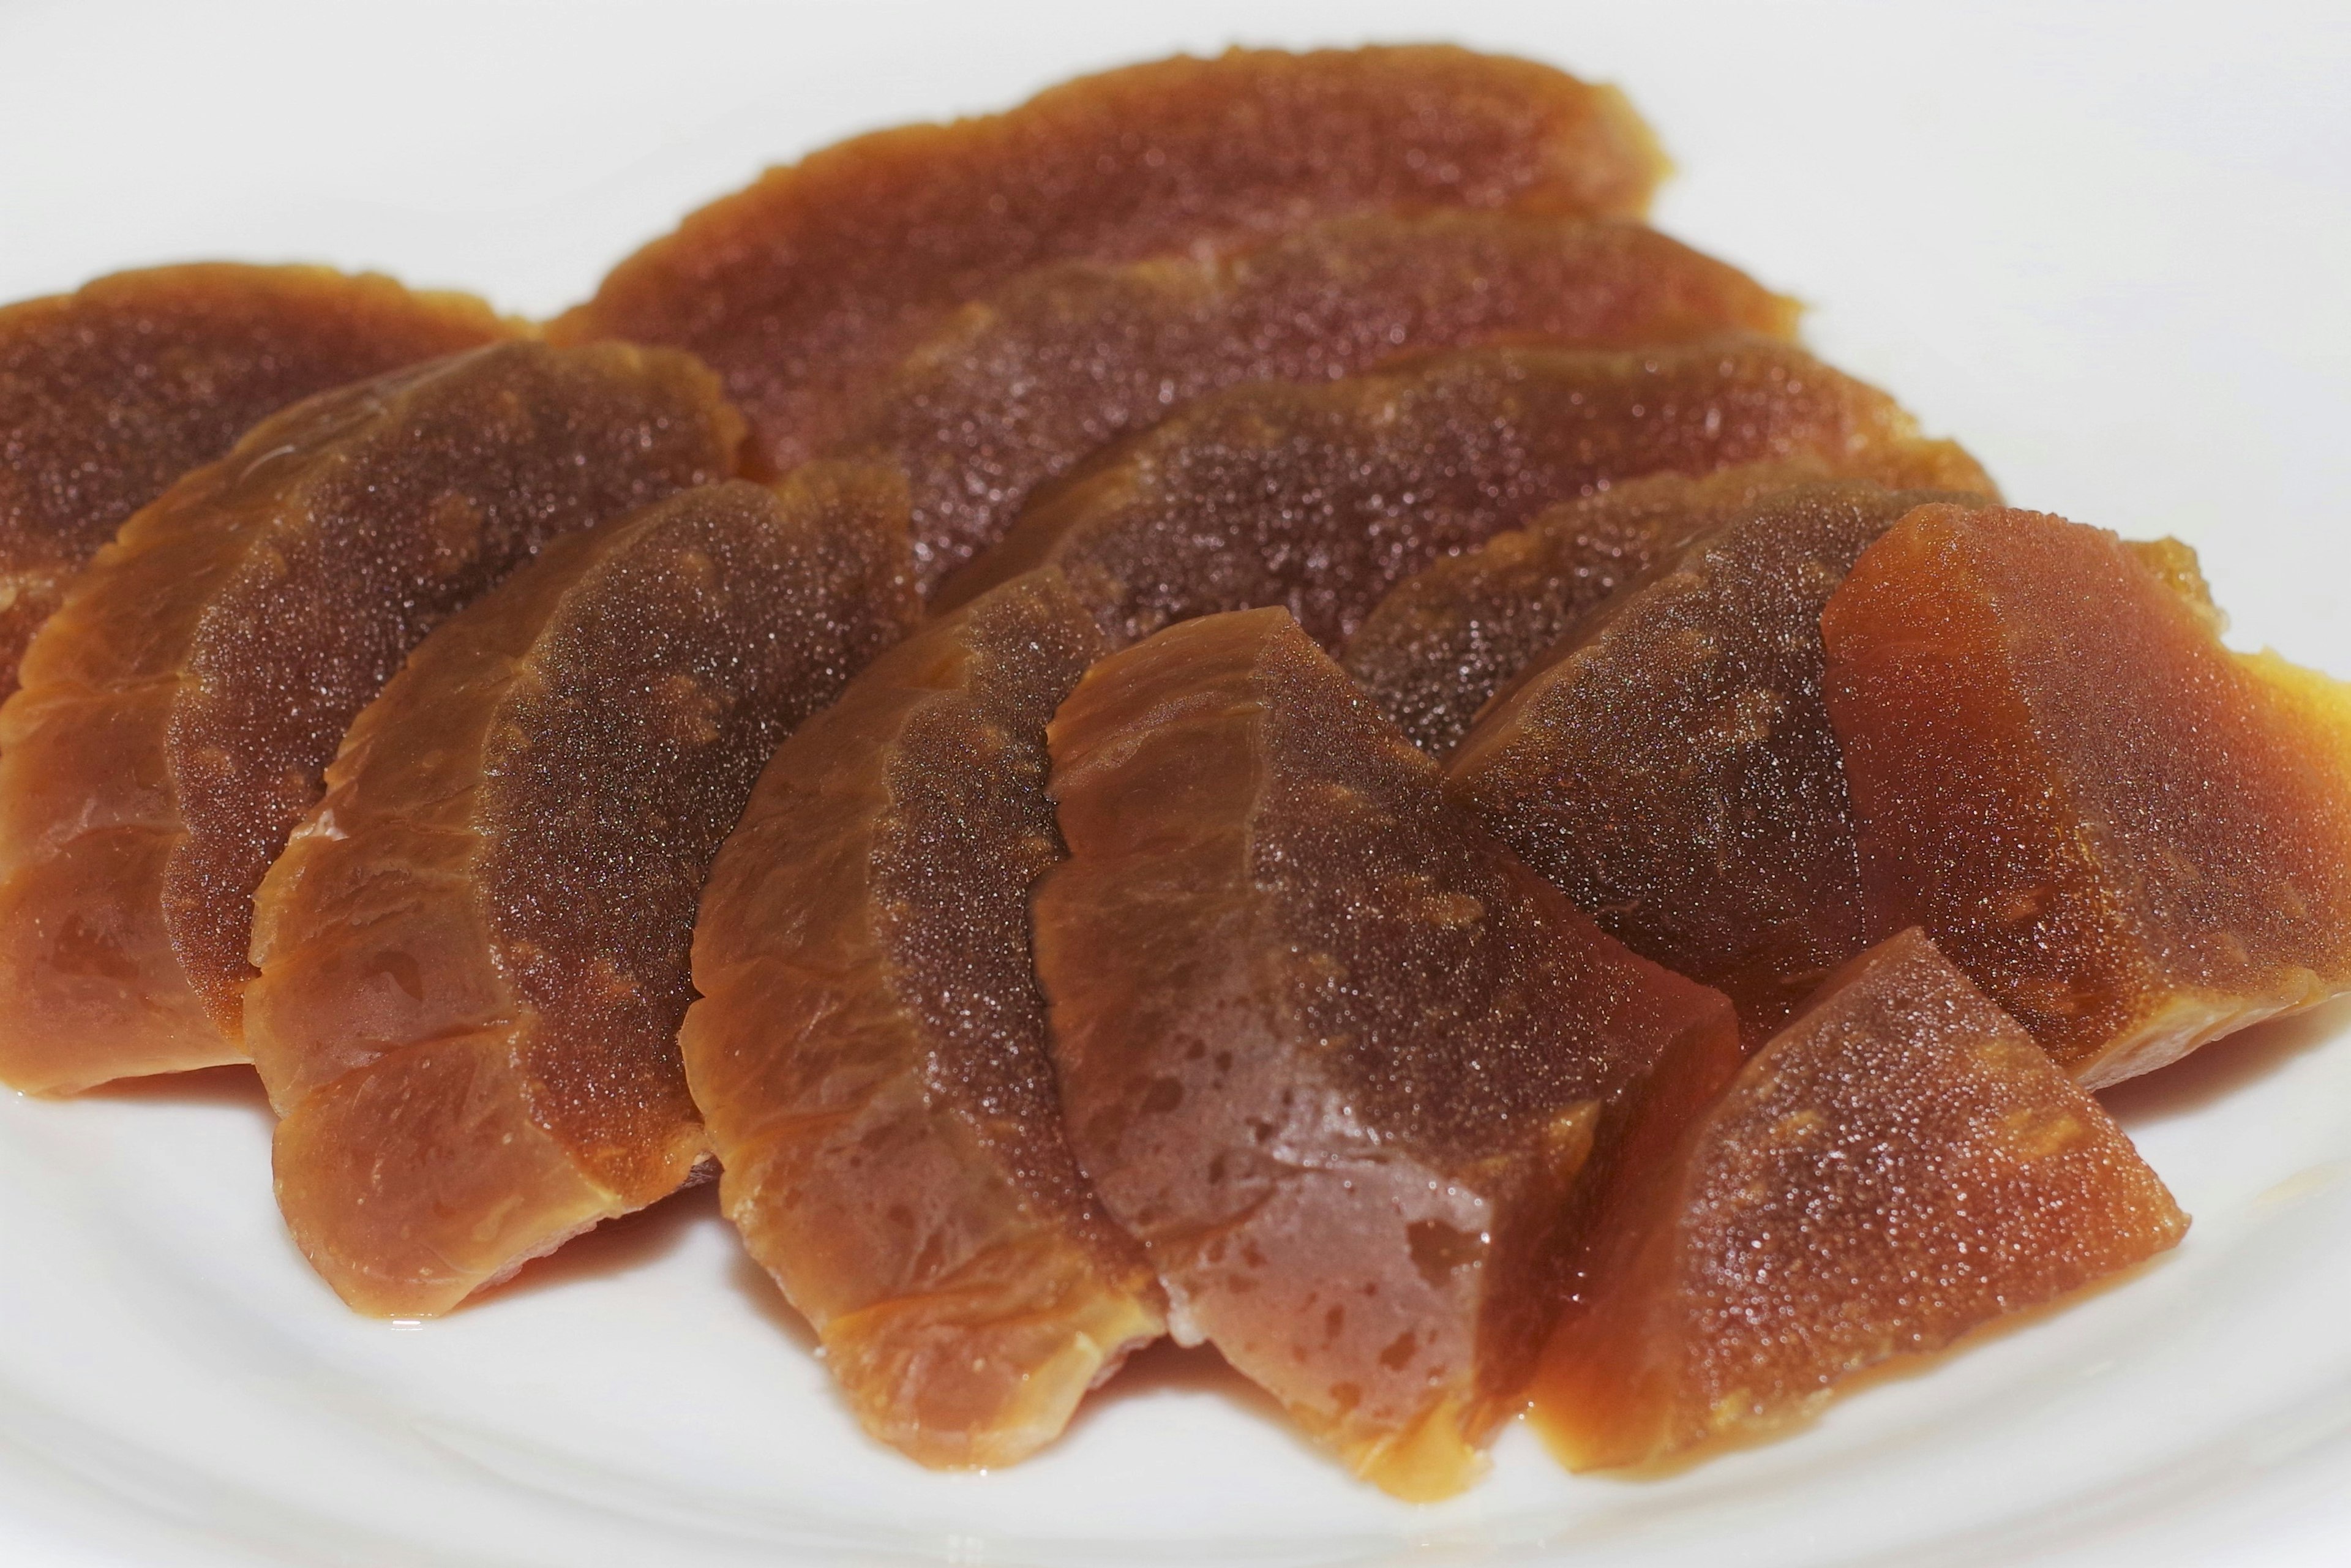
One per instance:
(1322, 498)
(179, 711)
(1896, 1166)
(1670, 763)
(108, 393)
(870, 1053)
(472, 951)
(1327, 1049)
(1024, 381)
(2133, 839)
(806, 288)
(1445, 640)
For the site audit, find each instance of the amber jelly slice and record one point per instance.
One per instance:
(1021, 383)
(1322, 498)
(808, 287)
(178, 713)
(869, 1057)
(1898, 1166)
(2133, 839)
(1435, 652)
(1670, 763)
(1330, 1051)
(473, 952)
(110, 393)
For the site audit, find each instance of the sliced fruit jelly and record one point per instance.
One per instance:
(1327, 1049)
(1898, 1166)
(2133, 839)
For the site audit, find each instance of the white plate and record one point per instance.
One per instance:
(2105, 246)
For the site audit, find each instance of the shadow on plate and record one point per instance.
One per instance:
(236, 1086)
(617, 1247)
(2223, 1067)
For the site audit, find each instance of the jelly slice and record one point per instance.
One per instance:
(473, 952)
(1445, 639)
(1321, 499)
(177, 712)
(1022, 383)
(1896, 1166)
(810, 284)
(1670, 764)
(1327, 1049)
(110, 393)
(870, 1053)
(2133, 839)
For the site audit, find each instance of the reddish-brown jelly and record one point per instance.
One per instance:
(1023, 382)
(1321, 498)
(177, 714)
(473, 952)
(806, 288)
(108, 393)
(869, 1052)
(1330, 1051)
(2135, 840)
(1896, 1166)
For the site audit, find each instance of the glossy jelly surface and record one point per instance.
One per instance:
(110, 393)
(870, 1050)
(2133, 839)
(1443, 642)
(1322, 498)
(178, 713)
(1670, 764)
(808, 286)
(473, 952)
(1022, 383)
(1896, 1166)
(1329, 1051)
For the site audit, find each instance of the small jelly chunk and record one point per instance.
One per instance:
(110, 393)
(1897, 1167)
(1322, 498)
(808, 287)
(1445, 639)
(2133, 839)
(1327, 1049)
(473, 952)
(1670, 765)
(1061, 360)
(869, 1052)
(178, 712)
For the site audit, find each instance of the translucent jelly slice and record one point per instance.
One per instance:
(1444, 641)
(870, 1051)
(1024, 381)
(1670, 764)
(473, 952)
(1322, 498)
(1334, 1056)
(178, 713)
(807, 287)
(2133, 839)
(108, 393)
(1897, 1167)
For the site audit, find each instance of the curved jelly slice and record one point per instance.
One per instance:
(808, 286)
(1326, 1048)
(1438, 648)
(1670, 763)
(1022, 383)
(870, 1055)
(2133, 839)
(178, 712)
(473, 952)
(1322, 498)
(110, 393)
(1896, 1166)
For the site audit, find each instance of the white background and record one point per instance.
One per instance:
(2106, 245)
